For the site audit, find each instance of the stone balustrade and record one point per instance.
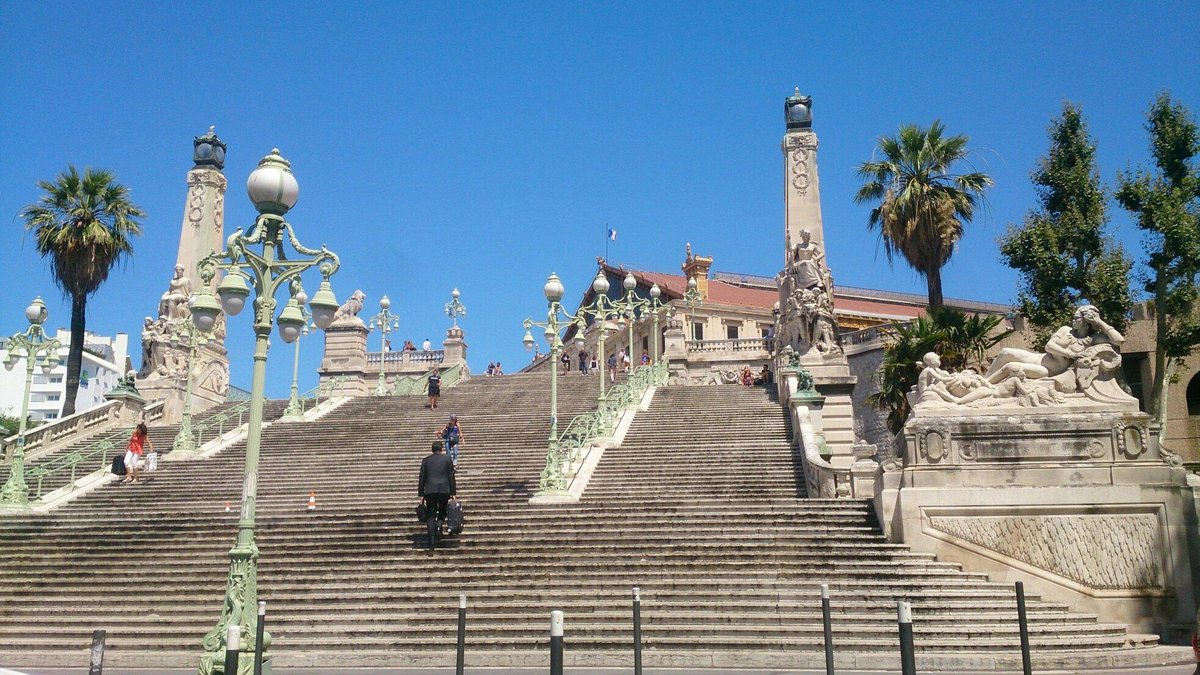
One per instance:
(53, 434)
(738, 346)
(402, 358)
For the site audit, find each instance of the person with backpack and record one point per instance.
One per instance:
(452, 435)
(612, 367)
(133, 454)
(436, 488)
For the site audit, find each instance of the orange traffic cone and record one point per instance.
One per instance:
(312, 501)
(227, 505)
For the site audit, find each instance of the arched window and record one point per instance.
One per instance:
(1193, 395)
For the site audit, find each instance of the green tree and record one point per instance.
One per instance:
(921, 203)
(84, 224)
(1063, 251)
(961, 340)
(1166, 203)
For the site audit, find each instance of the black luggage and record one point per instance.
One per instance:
(454, 517)
(422, 512)
(118, 465)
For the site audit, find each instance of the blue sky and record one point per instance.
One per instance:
(484, 145)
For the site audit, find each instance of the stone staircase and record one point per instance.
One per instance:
(701, 507)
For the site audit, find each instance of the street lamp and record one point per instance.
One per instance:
(274, 191)
(386, 322)
(38, 351)
(295, 409)
(186, 332)
(600, 310)
(454, 308)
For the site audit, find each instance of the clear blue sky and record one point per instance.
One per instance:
(484, 145)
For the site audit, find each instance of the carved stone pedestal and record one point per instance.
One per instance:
(1078, 502)
(454, 349)
(346, 358)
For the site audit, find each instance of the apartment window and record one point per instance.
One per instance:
(57, 379)
(731, 331)
(697, 330)
(51, 416)
(54, 397)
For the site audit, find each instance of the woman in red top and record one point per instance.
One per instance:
(138, 442)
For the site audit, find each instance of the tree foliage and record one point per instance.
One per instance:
(1166, 204)
(1063, 250)
(921, 203)
(84, 223)
(961, 340)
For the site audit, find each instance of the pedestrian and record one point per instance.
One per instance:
(409, 346)
(645, 358)
(499, 369)
(133, 453)
(595, 364)
(387, 345)
(452, 435)
(612, 367)
(566, 362)
(435, 388)
(747, 377)
(625, 358)
(491, 369)
(583, 363)
(765, 374)
(436, 488)
(426, 345)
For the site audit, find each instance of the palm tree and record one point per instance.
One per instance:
(84, 224)
(922, 206)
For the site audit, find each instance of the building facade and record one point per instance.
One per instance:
(105, 361)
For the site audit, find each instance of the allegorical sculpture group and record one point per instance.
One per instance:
(806, 312)
(1080, 366)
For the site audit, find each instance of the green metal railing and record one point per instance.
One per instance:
(600, 423)
(411, 385)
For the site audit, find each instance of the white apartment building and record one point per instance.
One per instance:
(105, 361)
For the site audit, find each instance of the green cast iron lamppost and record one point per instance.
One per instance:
(274, 191)
(600, 309)
(552, 480)
(294, 409)
(38, 351)
(691, 299)
(386, 322)
(185, 332)
(454, 308)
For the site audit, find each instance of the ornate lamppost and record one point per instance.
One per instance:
(656, 307)
(295, 409)
(386, 322)
(454, 308)
(691, 299)
(274, 191)
(553, 482)
(38, 351)
(193, 338)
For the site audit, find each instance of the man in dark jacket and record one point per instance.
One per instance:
(436, 488)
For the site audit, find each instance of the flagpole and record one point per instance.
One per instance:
(606, 242)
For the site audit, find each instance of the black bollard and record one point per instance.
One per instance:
(233, 644)
(459, 662)
(828, 629)
(556, 642)
(96, 667)
(908, 660)
(1023, 622)
(637, 631)
(258, 643)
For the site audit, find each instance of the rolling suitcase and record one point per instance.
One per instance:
(454, 517)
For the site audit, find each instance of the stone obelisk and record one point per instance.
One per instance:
(164, 349)
(807, 331)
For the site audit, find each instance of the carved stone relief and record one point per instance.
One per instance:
(1104, 552)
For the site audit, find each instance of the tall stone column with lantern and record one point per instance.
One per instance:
(166, 358)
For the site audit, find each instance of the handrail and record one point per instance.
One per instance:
(409, 385)
(823, 479)
(586, 428)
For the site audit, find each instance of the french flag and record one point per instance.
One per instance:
(612, 234)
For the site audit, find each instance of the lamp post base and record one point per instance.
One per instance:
(294, 410)
(185, 443)
(241, 607)
(15, 493)
(214, 664)
(554, 497)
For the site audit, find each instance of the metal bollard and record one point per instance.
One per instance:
(828, 629)
(462, 635)
(908, 660)
(96, 667)
(556, 642)
(1023, 622)
(637, 631)
(233, 644)
(260, 631)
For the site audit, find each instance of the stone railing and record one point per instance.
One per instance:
(727, 346)
(822, 479)
(404, 357)
(872, 335)
(58, 433)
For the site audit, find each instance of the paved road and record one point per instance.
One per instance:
(1155, 670)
